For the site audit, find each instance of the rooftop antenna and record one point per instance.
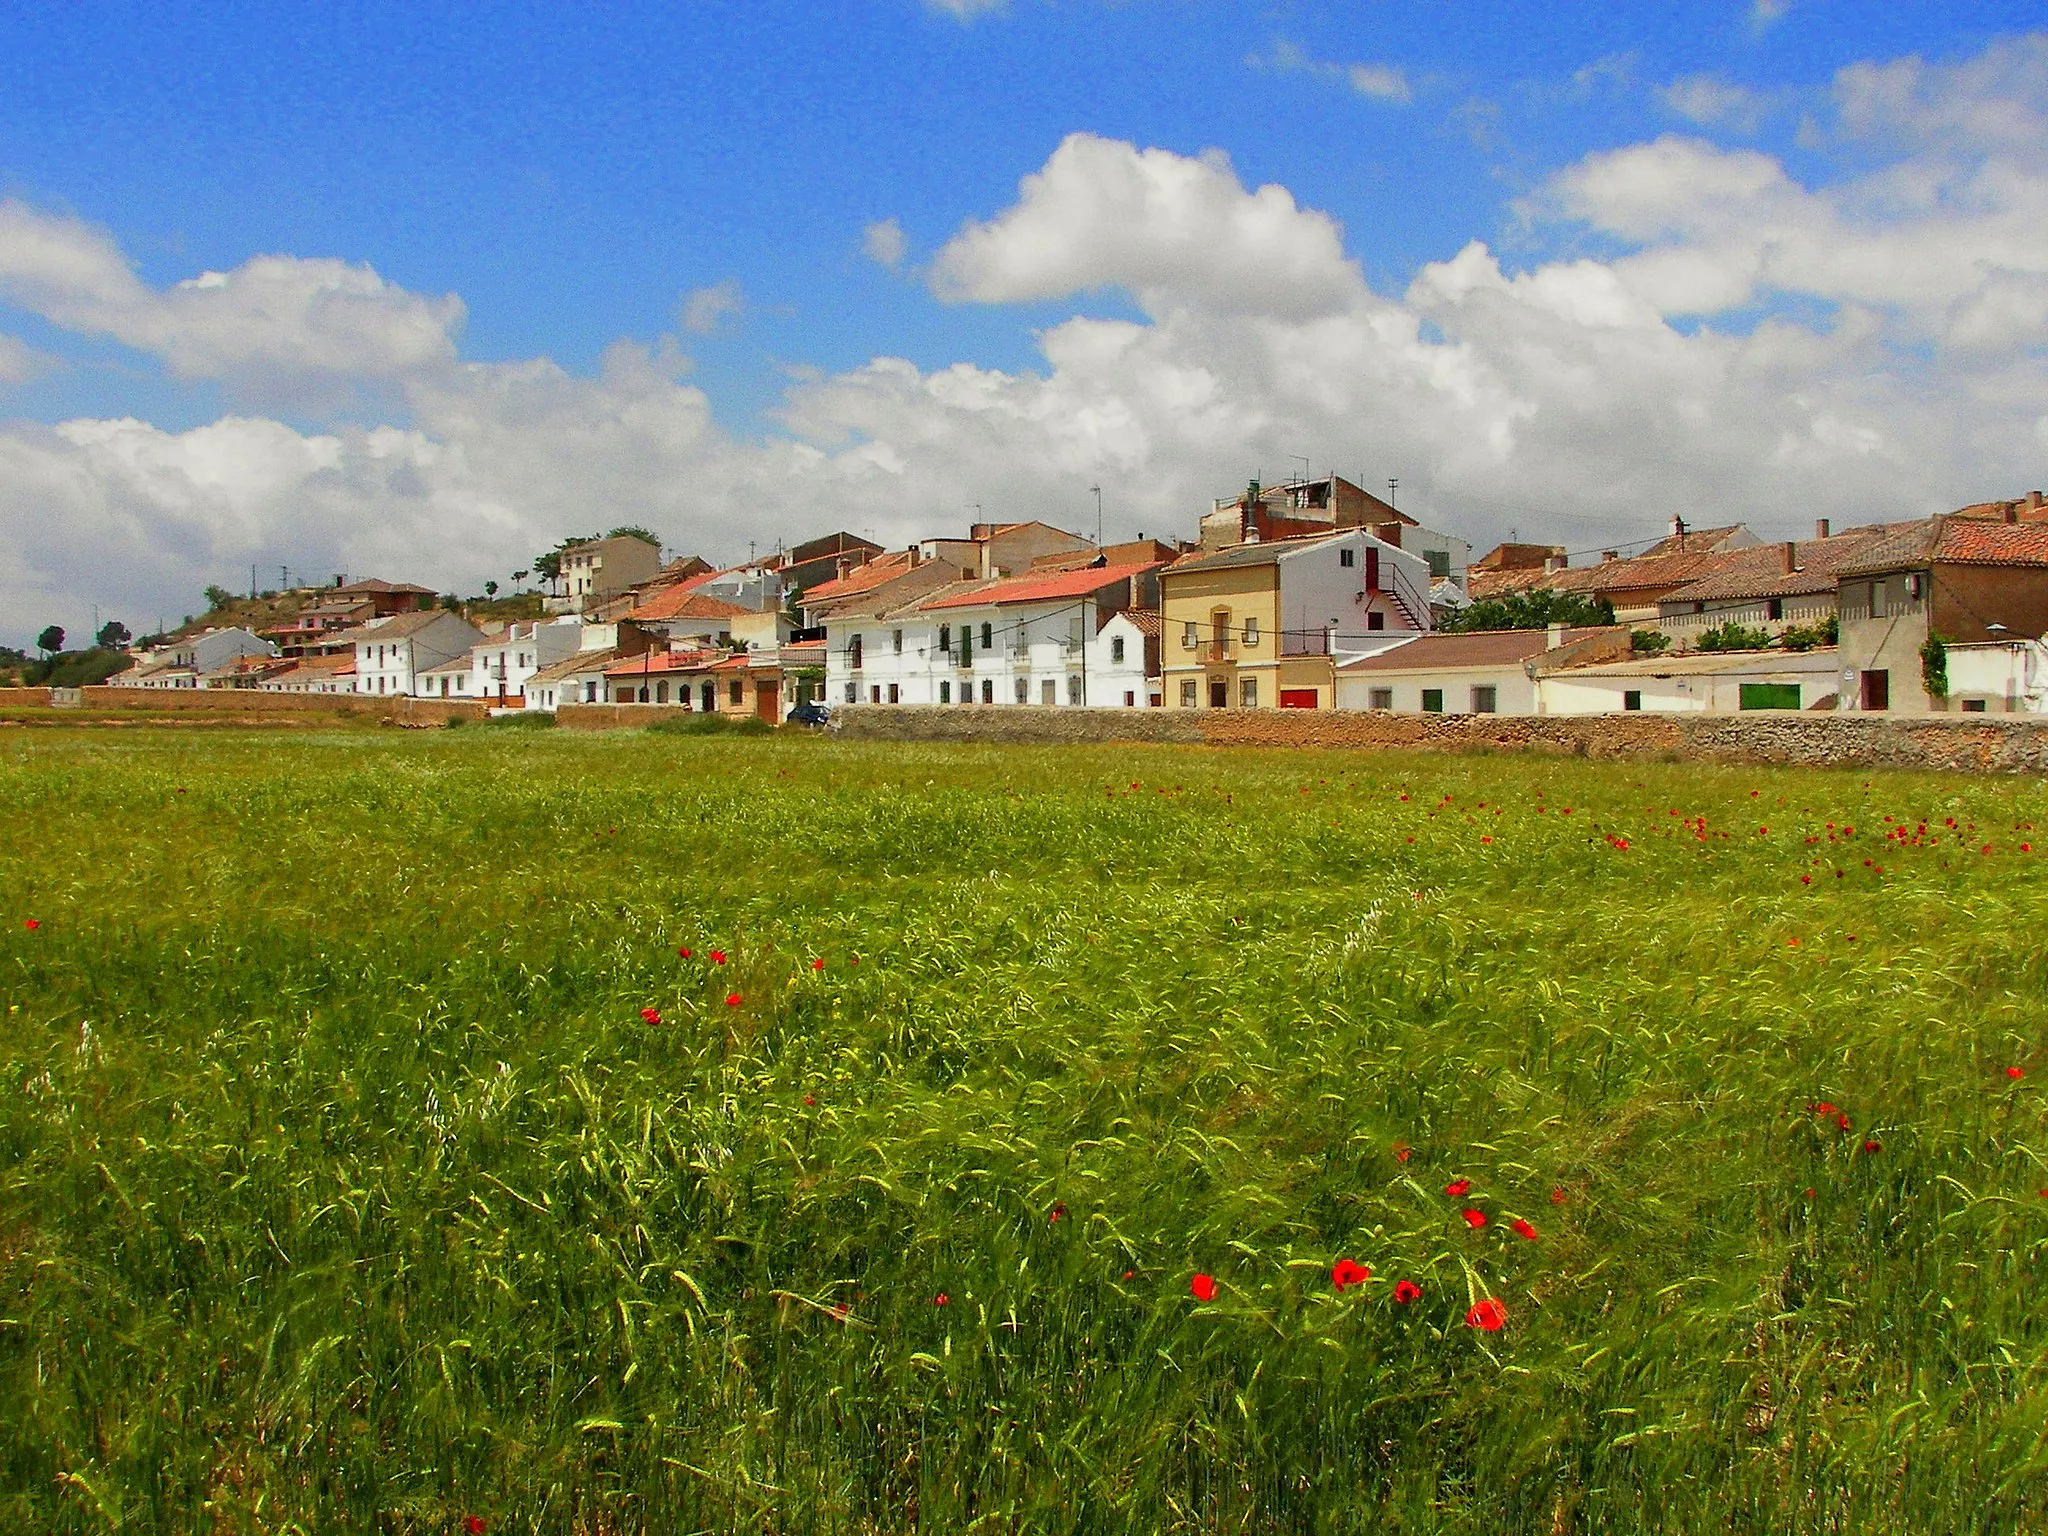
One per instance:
(1393, 485)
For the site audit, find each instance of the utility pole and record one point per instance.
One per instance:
(1098, 514)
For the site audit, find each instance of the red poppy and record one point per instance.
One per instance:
(1822, 1108)
(31, 925)
(718, 957)
(1523, 1229)
(1056, 1212)
(2015, 1072)
(651, 1015)
(1557, 1194)
(1791, 943)
(1402, 1151)
(1347, 1272)
(1842, 1122)
(841, 1310)
(1203, 1287)
(1873, 1146)
(1806, 879)
(1406, 1291)
(808, 1099)
(1809, 1194)
(732, 999)
(2026, 847)
(818, 964)
(684, 951)
(941, 1299)
(1130, 1274)
(1474, 1219)
(473, 1525)
(1458, 1187)
(1488, 1314)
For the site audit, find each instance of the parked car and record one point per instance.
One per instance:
(810, 713)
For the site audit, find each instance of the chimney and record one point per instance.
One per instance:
(1609, 554)
(1820, 528)
(1553, 563)
(1251, 532)
(2033, 501)
(1790, 555)
(1677, 526)
(1555, 637)
(2009, 513)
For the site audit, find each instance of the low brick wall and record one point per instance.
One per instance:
(610, 717)
(1974, 744)
(24, 698)
(280, 708)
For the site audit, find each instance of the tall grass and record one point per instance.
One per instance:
(345, 1187)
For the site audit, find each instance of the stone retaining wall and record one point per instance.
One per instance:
(271, 708)
(1975, 744)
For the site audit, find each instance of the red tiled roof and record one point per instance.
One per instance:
(1146, 620)
(861, 578)
(1968, 541)
(662, 663)
(1760, 572)
(679, 602)
(1041, 589)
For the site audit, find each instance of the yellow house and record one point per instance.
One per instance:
(1256, 626)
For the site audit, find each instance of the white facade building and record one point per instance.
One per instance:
(1057, 640)
(391, 653)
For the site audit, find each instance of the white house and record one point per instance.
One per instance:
(1487, 672)
(1709, 681)
(1039, 640)
(1998, 676)
(503, 660)
(391, 653)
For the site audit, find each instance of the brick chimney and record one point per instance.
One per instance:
(1820, 528)
(1790, 555)
(1553, 563)
(1677, 525)
(2033, 501)
(1554, 637)
(2009, 513)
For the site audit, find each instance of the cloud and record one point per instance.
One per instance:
(271, 323)
(1767, 13)
(1753, 344)
(1712, 101)
(964, 10)
(884, 242)
(703, 308)
(1168, 228)
(19, 362)
(1377, 82)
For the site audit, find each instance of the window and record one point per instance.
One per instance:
(945, 639)
(988, 636)
(896, 641)
(661, 693)
(1130, 699)
(1116, 649)
(1190, 635)
(1973, 706)
(1188, 691)
(1251, 633)
(1432, 701)
(946, 692)
(1484, 699)
(1375, 621)
(853, 653)
(1348, 558)
(1632, 698)
(1382, 698)
(1074, 689)
(380, 683)
(1024, 691)
(1439, 563)
(852, 692)
(894, 696)
(988, 690)
(1775, 608)
(590, 692)
(875, 693)
(1248, 693)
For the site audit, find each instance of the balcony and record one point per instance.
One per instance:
(1304, 642)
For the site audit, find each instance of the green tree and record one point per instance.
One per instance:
(490, 589)
(51, 640)
(112, 636)
(1537, 608)
(635, 531)
(218, 598)
(1648, 642)
(549, 566)
(1934, 667)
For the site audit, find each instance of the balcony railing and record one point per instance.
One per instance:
(1304, 642)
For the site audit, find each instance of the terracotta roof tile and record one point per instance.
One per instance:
(1040, 589)
(679, 602)
(1482, 648)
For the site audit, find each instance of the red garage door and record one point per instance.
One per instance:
(1297, 698)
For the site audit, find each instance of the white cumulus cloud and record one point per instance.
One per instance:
(885, 243)
(704, 308)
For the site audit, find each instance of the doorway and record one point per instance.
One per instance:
(1219, 693)
(1877, 691)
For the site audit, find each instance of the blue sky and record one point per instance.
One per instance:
(573, 173)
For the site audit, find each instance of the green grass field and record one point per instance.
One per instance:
(346, 1187)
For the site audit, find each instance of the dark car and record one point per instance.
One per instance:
(812, 713)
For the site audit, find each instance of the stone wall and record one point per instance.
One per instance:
(610, 717)
(1976, 744)
(24, 698)
(279, 708)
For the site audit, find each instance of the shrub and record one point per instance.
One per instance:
(1535, 609)
(1934, 667)
(1804, 637)
(708, 725)
(523, 720)
(1648, 642)
(1735, 637)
